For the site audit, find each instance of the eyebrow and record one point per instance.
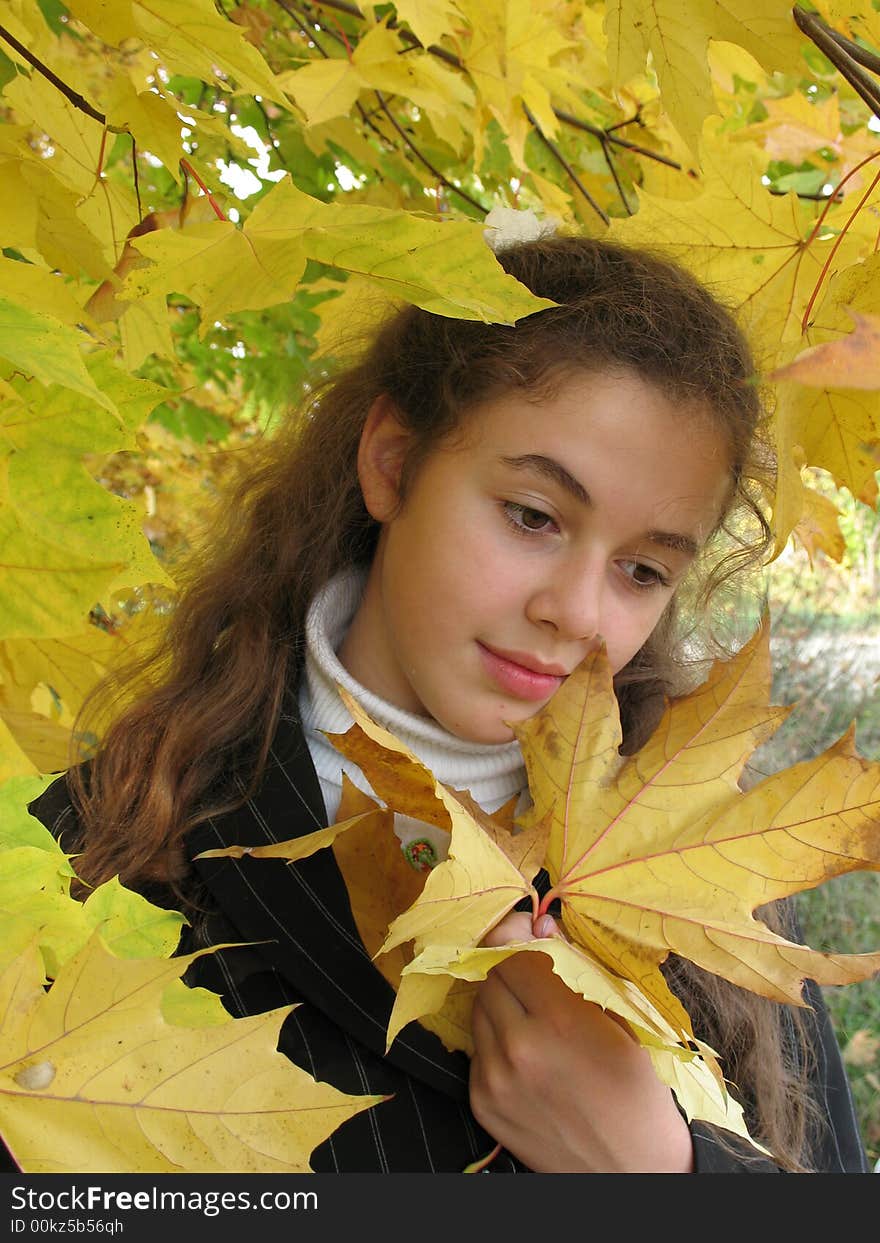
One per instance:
(557, 473)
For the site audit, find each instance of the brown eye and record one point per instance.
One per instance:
(527, 520)
(533, 519)
(642, 575)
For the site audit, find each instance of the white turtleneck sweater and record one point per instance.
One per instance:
(493, 773)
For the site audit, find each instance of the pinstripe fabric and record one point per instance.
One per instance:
(308, 952)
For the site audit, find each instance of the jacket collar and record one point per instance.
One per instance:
(301, 914)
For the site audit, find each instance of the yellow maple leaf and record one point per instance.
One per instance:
(648, 854)
(95, 1079)
(677, 37)
(429, 20)
(190, 37)
(516, 56)
(759, 252)
(819, 527)
(328, 88)
(643, 870)
(444, 267)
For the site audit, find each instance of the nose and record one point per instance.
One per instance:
(569, 600)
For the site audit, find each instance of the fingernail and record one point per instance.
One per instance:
(545, 927)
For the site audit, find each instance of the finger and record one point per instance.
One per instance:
(517, 926)
(529, 978)
(498, 1002)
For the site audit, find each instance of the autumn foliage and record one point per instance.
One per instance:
(148, 315)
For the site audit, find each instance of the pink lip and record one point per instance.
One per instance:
(520, 674)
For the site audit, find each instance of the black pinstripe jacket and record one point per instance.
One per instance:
(310, 952)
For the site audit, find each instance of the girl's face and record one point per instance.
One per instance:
(544, 526)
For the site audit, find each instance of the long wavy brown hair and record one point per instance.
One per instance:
(194, 742)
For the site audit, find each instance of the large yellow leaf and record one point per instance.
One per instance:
(189, 36)
(754, 250)
(649, 854)
(676, 37)
(443, 267)
(658, 853)
(94, 1078)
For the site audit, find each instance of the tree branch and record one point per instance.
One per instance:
(427, 163)
(557, 154)
(67, 91)
(856, 51)
(451, 59)
(827, 41)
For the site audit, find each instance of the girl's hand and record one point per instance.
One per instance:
(561, 1085)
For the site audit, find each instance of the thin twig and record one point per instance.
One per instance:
(67, 91)
(827, 264)
(302, 22)
(99, 168)
(576, 123)
(137, 184)
(450, 185)
(636, 120)
(215, 206)
(265, 115)
(557, 154)
(301, 19)
(630, 211)
(836, 197)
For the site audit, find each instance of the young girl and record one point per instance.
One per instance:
(446, 531)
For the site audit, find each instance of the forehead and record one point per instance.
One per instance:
(627, 442)
(617, 405)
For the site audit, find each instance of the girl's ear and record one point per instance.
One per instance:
(381, 454)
